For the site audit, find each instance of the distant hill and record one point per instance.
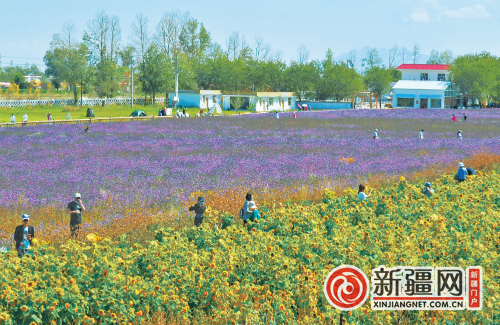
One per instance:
(384, 54)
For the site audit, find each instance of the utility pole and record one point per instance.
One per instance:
(176, 97)
(81, 91)
(132, 82)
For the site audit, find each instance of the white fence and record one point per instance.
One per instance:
(86, 102)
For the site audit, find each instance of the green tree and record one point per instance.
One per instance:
(19, 80)
(378, 80)
(154, 70)
(445, 57)
(300, 77)
(476, 76)
(344, 81)
(102, 38)
(67, 59)
(322, 83)
(371, 60)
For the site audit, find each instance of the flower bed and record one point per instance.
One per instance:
(271, 271)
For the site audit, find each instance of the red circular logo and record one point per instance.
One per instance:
(346, 287)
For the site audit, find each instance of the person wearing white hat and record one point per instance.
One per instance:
(459, 135)
(25, 118)
(75, 208)
(375, 134)
(462, 172)
(23, 235)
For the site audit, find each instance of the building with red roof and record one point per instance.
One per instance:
(424, 86)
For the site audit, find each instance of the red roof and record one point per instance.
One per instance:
(423, 67)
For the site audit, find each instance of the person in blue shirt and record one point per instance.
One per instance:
(375, 134)
(362, 196)
(428, 190)
(462, 172)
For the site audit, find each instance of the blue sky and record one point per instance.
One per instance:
(462, 26)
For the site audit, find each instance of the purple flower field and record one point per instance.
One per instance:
(158, 163)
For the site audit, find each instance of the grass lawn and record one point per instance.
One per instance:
(39, 113)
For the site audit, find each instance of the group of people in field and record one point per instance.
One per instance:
(427, 190)
(25, 233)
(13, 118)
(248, 212)
(421, 133)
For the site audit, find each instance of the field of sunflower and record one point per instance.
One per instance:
(269, 272)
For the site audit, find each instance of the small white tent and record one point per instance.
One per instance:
(215, 108)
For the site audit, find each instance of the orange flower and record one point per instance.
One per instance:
(139, 313)
(101, 312)
(24, 308)
(67, 305)
(282, 307)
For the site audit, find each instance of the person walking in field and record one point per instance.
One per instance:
(362, 196)
(12, 118)
(277, 115)
(428, 190)
(199, 208)
(25, 118)
(375, 134)
(75, 208)
(295, 115)
(465, 117)
(23, 235)
(421, 135)
(454, 118)
(459, 135)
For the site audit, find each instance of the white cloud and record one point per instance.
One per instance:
(419, 15)
(478, 12)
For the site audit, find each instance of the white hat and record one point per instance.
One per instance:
(376, 129)
(461, 164)
(77, 195)
(25, 216)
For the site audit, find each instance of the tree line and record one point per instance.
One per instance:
(98, 60)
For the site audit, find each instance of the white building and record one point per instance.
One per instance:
(262, 101)
(4, 85)
(29, 78)
(423, 86)
(196, 98)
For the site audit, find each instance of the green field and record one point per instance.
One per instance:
(39, 113)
